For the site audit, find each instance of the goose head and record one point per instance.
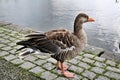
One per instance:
(79, 20)
(82, 18)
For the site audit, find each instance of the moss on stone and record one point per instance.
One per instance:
(8, 70)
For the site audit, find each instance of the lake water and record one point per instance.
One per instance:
(45, 15)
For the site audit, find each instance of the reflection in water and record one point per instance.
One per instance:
(51, 14)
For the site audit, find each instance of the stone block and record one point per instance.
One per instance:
(99, 64)
(10, 57)
(3, 53)
(89, 55)
(99, 59)
(102, 78)
(48, 66)
(113, 69)
(17, 61)
(111, 63)
(27, 65)
(30, 58)
(42, 56)
(113, 75)
(97, 70)
(37, 70)
(2, 45)
(84, 65)
(88, 60)
(40, 62)
(74, 61)
(6, 48)
(89, 74)
(62, 78)
(12, 44)
(76, 69)
(51, 60)
(13, 51)
(48, 75)
(78, 57)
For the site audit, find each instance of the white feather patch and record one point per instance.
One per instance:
(68, 49)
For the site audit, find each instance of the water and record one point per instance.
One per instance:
(45, 15)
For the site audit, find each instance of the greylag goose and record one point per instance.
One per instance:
(61, 44)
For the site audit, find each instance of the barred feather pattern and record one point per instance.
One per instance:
(68, 43)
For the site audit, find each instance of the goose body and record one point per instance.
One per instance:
(68, 43)
(61, 44)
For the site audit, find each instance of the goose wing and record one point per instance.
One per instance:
(67, 42)
(64, 39)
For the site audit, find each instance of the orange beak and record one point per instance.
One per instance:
(91, 20)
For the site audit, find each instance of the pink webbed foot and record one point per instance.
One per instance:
(65, 67)
(68, 74)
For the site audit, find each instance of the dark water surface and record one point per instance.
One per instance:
(45, 15)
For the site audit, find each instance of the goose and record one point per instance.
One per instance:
(62, 44)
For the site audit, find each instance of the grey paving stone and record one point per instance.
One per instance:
(27, 65)
(2, 45)
(99, 64)
(97, 70)
(6, 37)
(111, 63)
(10, 57)
(37, 70)
(6, 48)
(5, 41)
(62, 78)
(76, 69)
(48, 76)
(85, 79)
(2, 35)
(12, 38)
(78, 57)
(13, 51)
(119, 66)
(89, 55)
(74, 61)
(48, 66)
(113, 69)
(76, 77)
(88, 60)
(102, 78)
(57, 71)
(99, 59)
(113, 75)
(17, 61)
(81, 53)
(3, 53)
(89, 74)
(52, 60)
(30, 58)
(84, 65)
(40, 62)
(12, 34)
(42, 56)
(1, 31)
(8, 30)
(12, 44)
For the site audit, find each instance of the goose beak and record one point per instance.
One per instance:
(91, 20)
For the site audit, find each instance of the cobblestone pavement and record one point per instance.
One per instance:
(86, 66)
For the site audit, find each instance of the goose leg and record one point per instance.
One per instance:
(65, 67)
(66, 73)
